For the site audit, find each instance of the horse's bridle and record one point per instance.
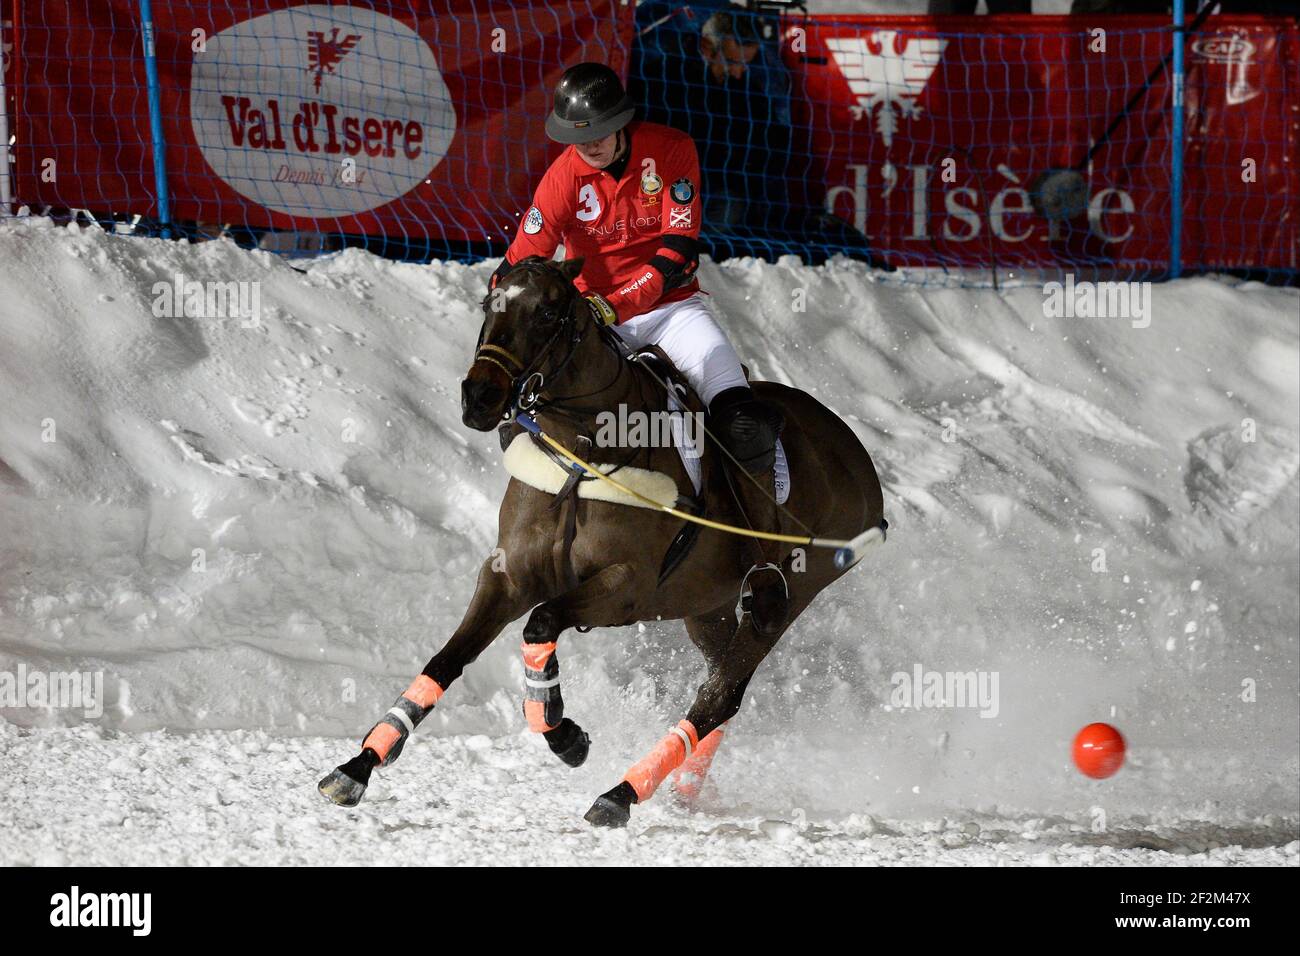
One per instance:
(528, 381)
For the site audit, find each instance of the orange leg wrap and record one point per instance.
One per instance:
(423, 691)
(646, 775)
(387, 737)
(689, 778)
(543, 705)
(381, 739)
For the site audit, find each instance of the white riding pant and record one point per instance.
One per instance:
(691, 337)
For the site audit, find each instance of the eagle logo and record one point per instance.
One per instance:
(324, 54)
(887, 72)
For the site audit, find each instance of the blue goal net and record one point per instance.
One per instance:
(935, 149)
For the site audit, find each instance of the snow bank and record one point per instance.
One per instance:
(271, 528)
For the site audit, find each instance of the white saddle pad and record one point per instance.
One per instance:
(529, 464)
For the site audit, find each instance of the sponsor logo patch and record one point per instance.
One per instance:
(680, 216)
(683, 191)
(636, 283)
(533, 221)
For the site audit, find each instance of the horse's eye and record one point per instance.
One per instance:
(548, 313)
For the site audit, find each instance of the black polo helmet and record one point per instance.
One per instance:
(590, 104)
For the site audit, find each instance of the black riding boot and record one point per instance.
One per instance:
(749, 429)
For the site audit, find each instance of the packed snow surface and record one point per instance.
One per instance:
(258, 533)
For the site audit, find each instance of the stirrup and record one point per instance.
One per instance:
(747, 596)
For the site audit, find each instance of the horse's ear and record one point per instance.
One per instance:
(572, 268)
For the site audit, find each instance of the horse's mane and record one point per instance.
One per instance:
(528, 263)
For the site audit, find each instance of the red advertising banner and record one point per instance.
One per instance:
(394, 117)
(422, 119)
(932, 131)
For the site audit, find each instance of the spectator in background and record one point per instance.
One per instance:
(746, 145)
(761, 195)
(716, 97)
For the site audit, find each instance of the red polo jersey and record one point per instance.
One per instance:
(618, 226)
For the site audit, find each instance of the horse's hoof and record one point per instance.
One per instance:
(346, 785)
(341, 788)
(613, 808)
(569, 742)
(608, 813)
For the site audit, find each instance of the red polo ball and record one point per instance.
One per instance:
(1099, 751)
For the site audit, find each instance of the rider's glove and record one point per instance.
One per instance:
(677, 274)
(500, 273)
(601, 310)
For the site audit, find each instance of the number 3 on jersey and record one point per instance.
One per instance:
(590, 208)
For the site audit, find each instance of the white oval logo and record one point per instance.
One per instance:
(1224, 48)
(321, 111)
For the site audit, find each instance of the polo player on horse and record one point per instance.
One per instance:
(624, 200)
(625, 196)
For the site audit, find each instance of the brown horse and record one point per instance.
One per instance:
(580, 563)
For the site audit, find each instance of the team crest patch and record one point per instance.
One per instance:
(683, 191)
(533, 221)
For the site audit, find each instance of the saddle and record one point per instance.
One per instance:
(683, 397)
(530, 460)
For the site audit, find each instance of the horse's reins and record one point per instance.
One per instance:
(848, 552)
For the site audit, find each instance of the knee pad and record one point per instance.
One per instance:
(747, 427)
